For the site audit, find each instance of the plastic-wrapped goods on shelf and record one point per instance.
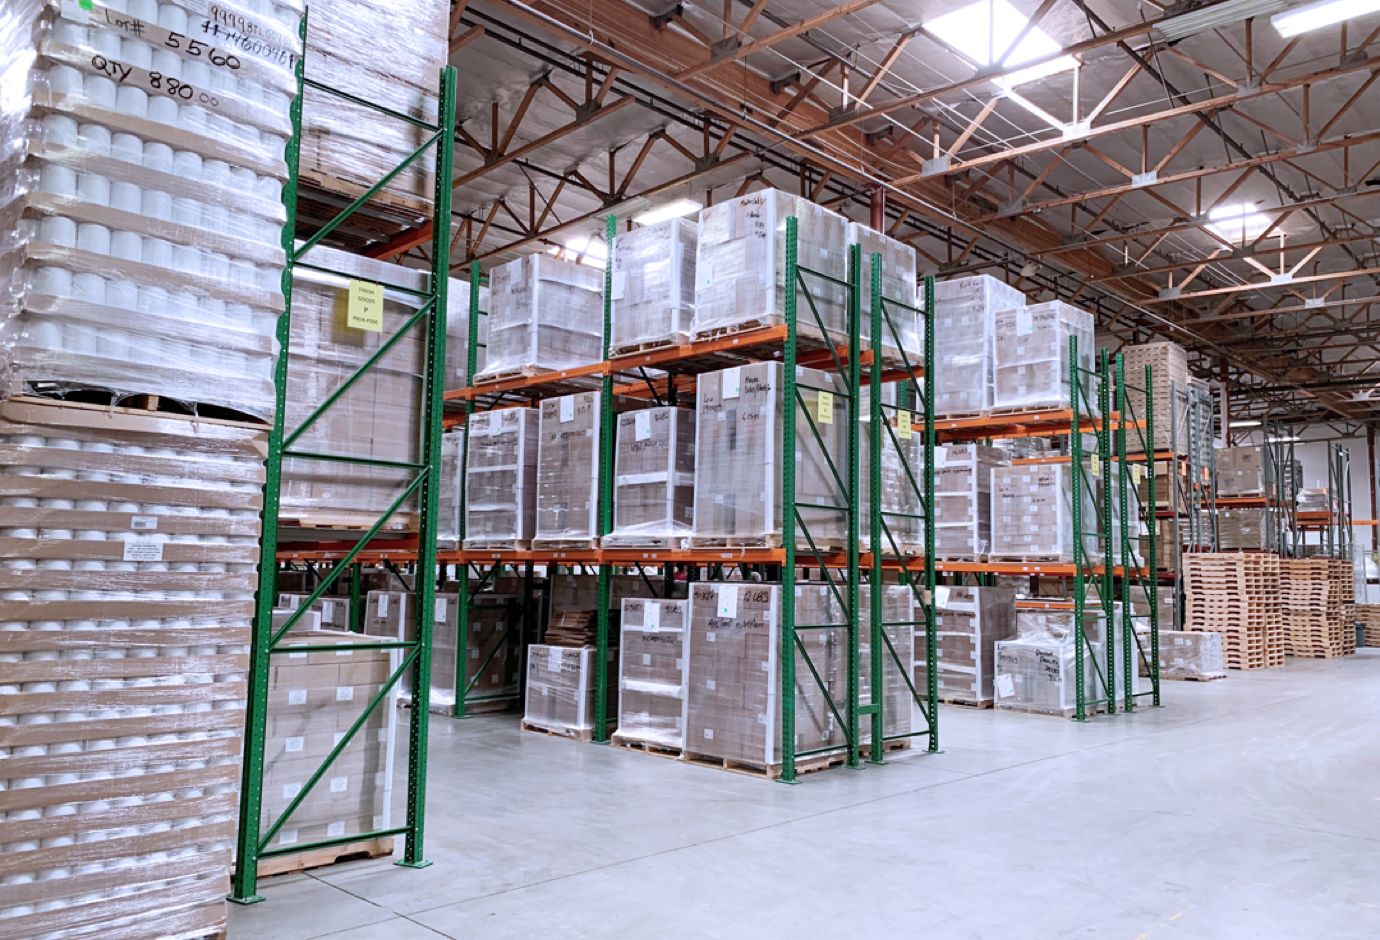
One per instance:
(969, 621)
(902, 327)
(334, 612)
(965, 313)
(388, 613)
(738, 472)
(654, 659)
(561, 689)
(903, 475)
(546, 315)
(1036, 669)
(653, 286)
(653, 479)
(140, 179)
(568, 471)
(740, 271)
(313, 699)
(1108, 488)
(1185, 655)
(458, 333)
(899, 613)
(1241, 472)
(501, 479)
(1169, 371)
(1031, 366)
(734, 694)
(963, 500)
(449, 498)
(1032, 514)
(1242, 529)
(130, 546)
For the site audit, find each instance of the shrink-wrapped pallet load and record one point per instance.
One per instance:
(653, 286)
(964, 337)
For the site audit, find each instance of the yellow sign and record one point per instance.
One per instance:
(1096, 465)
(903, 425)
(826, 408)
(366, 306)
(1135, 474)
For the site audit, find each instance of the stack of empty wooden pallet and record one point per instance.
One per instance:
(1344, 577)
(1312, 601)
(1369, 614)
(1236, 595)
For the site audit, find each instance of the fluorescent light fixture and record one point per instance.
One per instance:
(1244, 424)
(1291, 23)
(984, 30)
(1238, 223)
(672, 210)
(594, 251)
(1282, 440)
(1230, 13)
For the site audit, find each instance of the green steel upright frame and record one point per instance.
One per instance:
(1132, 580)
(429, 322)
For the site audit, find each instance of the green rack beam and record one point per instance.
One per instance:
(253, 844)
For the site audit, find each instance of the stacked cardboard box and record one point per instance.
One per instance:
(128, 564)
(568, 471)
(545, 315)
(1031, 370)
(901, 325)
(334, 611)
(1168, 363)
(501, 479)
(899, 615)
(653, 478)
(654, 656)
(968, 623)
(314, 698)
(963, 499)
(1312, 596)
(653, 289)
(1032, 514)
(450, 498)
(738, 458)
(902, 476)
(1037, 668)
(964, 319)
(741, 266)
(1241, 472)
(1185, 654)
(562, 690)
(1237, 596)
(1243, 529)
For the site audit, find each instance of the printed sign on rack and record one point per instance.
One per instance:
(365, 310)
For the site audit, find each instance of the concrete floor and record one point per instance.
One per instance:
(1245, 808)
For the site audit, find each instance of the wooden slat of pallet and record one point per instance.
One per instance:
(319, 858)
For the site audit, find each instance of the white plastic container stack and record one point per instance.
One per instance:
(653, 290)
(143, 176)
(964, 318)
(740, 271)
(546, 315)
(1032, 358)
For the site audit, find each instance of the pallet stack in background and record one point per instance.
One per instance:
(1312, 601)
(1238, 596)
(1369, 615)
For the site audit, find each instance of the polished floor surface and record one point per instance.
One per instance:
(1245, 808)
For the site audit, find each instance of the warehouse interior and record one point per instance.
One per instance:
(788, 444)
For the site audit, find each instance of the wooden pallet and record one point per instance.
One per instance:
(497, 545)
(760, 543)
(806, 765)
(488, 707)
(330, 855)
(980, 705)
(347, 521)
(655, 345)
(141, 405)
(565, 545)
(1051, 559)
(647, 747)
(900, 744)
(575, 734)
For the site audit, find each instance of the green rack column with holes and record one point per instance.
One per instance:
(252, 843)
(1135, 653)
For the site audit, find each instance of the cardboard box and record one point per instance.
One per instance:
(969, 621)
(654, 478)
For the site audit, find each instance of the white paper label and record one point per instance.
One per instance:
(383, 605)
(728, 601)
(143, 523)
(335, 829)
(290, 790)
(297, 696)
(619, 286)
(553, 659)
(1006, 686)
(709, 734)
(338, 737)
(143, 550)
(293, 745)
(344, 693)
(731, 381)
(709, 684)
(340, 784)
(287, 836)
(441, 604)
(642, 426)
(941, 596)
(567, 406)
(1025, 325)
(651, 616)
(328, 610)
(646, 659)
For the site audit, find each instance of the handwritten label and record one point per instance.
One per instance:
(365, 310)
(143, 550)
(903, 425)
(826, 408)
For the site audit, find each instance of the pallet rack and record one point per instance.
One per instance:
(1193, 500)
(429, 323)
(1333, 525)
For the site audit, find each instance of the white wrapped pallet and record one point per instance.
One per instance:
(1032, 514)
(899, 615)
(968, 623)
(1032, 371)
(568, 471)
(450, 499)
(501, 479)
(965, 312)
(653, 286)
(900, 283)
(1037, 669)
(738, 458)
(1185, 655)
(562, 691)
(547, 315)
(740, 269)
(653, 479)
(653, 673)
(963, 500)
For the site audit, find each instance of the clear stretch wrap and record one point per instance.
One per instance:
(1185, 655)
(734, 695)
(738, 455)
(129, 547)
(1032, 358)
(963, 499)
(458, 333)
(1036, 668)
(899, 613)
(450, 498)
(903, 474)
(568, 469)
(1241, 472)
(1032, 513)
(388, 53)
(1108, 488)
(561, 688)
(901, 326)
(654, 658)
(1169, 370)
(140, 204)
(501, 478)
(653, 478)
(333, 613)
(741, 268)
(653, 296)
(968, 623)
(314, 698)
(389, 613)
(378, 416)
(965, 313)
(545, 315)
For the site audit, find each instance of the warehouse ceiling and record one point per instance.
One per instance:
(1184, 171)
